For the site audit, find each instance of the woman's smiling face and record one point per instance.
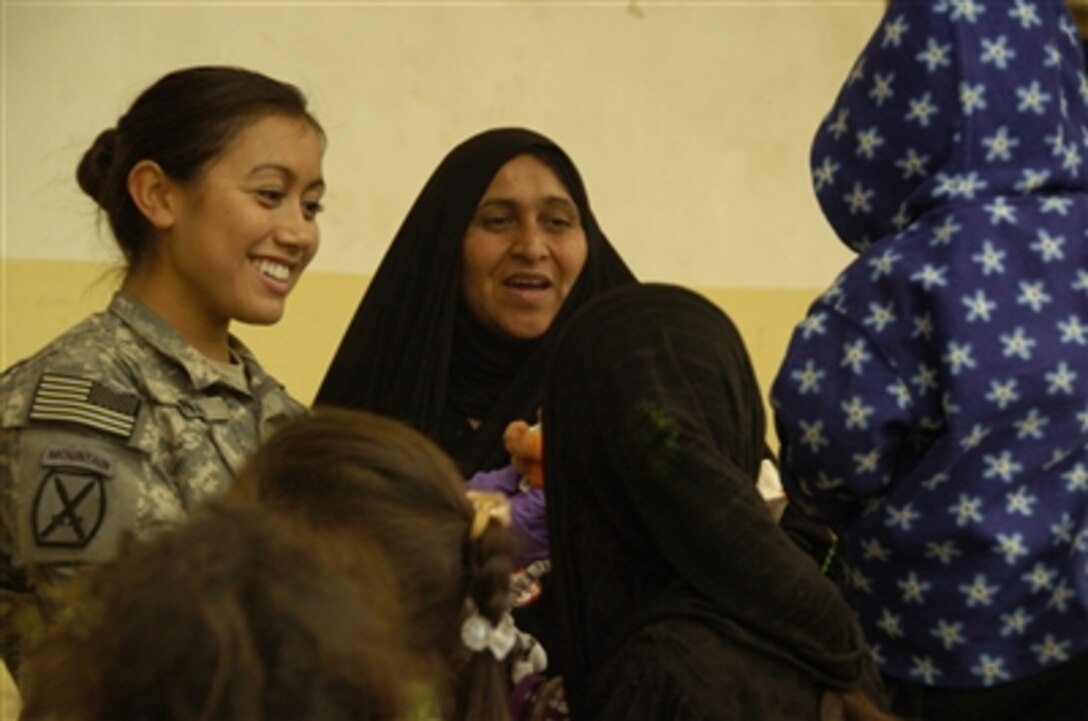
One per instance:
(523, 250)
(246, 228)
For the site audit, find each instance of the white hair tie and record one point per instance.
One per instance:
(478, 634)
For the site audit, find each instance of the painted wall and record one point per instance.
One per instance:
(689, 120)
(690, 123)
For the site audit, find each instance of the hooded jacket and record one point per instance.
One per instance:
(933, 405)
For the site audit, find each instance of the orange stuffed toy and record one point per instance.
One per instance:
(525, 444)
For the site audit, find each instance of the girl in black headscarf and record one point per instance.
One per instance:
(417, 351)
(679, 597)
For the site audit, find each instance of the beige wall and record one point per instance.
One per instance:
(690, 122)
(42, 298)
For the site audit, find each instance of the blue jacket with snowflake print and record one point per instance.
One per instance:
(933, 405)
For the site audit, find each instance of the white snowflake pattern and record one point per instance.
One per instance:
(1033, 295)
(925, 669)
(923, 327)
(1015, 623)
(882, 88)
(1061, 597)
(1000, 145)
(1000, 211)
(866, 462)
(808, 378)
(945, 552)
(997, 51)
(901, 517)
(914, 589)
(935, 55)
(839, 126)
(857, 413)
(1020, 501)
(859, 200)
(813, 325)
(873, 549)
(1051, 650)
(978, 592)
(901, 392)
(1002, 393)
(925, 378)
(1032, 180)
(1026, 12)
(949, 633)
(975, 437)
(1081, 283)
(913, 164)
(958, 356)
(979, 306)
(855, 356)
(868, 141)
(991, 669)
(968, 10)
(922, 110)
(1040, 578)
(1055, 204)
(824, 174)
(1011, 546)
(1062, 530)
(812, 435)
(1032, 98)
(890, 624)
(880, 316)
(990, 259)
(883, 264)
(1060, 380)
(967, 510)
(894, 32)
(972, 97)
(1076, 478)
(1003, 467)
(931, 277)
(1049, 247)
(931, 483)
(1018, 344)
(1031, 425)
(1073, 331)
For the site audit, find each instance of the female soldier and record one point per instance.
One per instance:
(211, 183)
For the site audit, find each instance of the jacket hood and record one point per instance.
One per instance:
(953, 101)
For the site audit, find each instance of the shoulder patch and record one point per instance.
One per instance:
(71, 500)
(70, 399)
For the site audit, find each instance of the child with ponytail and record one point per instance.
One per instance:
(358, 475)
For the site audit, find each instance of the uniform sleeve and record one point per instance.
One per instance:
(58, 512)
(842, 414)
(76, 473)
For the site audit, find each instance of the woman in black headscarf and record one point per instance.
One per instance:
(679, 597)
(422, 348)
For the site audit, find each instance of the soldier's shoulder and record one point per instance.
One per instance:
(86, 354)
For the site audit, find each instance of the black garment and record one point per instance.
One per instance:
(1060, 694)
(707, 678)
(654, 432)
(413, 354)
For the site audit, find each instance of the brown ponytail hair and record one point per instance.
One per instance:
(360, 475)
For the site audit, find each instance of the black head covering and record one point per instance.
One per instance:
(410, 334)
(653, 438)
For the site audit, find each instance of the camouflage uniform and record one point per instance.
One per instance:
(117, 425)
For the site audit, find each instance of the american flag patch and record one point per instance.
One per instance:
(86, 402)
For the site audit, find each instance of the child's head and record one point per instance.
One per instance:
(362, 476)
(234, 616)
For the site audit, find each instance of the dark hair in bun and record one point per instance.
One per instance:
(94, 168)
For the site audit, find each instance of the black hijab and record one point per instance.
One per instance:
(412, 350)
(653, 437)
